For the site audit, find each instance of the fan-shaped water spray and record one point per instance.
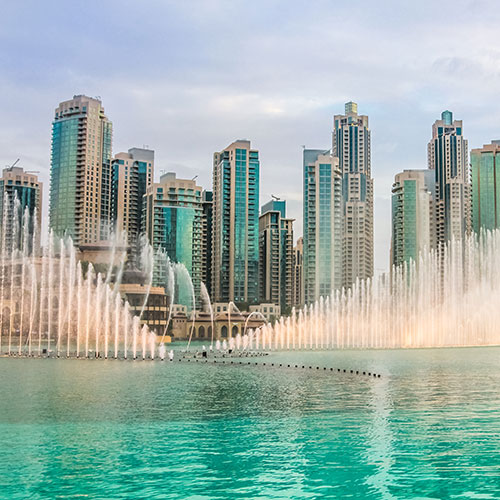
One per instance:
(48, 304)
(449, 297)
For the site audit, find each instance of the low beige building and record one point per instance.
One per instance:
(155, 312)
(224, 325)
(270, 311)
(103, 252)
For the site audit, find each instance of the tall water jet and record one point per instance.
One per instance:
(46, 301)
(6, 209)
(448, 297)
(206, 300)
(147, 266)
(170, 287)
(253, 313)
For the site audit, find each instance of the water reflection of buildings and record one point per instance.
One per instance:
(379, 439)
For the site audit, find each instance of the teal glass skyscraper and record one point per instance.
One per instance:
(16, 184)
(235, 237)
(413, 217)
(173, 221)
(80, 173)
(485, 164)
(322, 240)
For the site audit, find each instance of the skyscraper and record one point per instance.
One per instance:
(323, 230)
(298, 289)
(485, 187)
(413, 218)
(133, 173)
(80, 174)
(447, 157)
(276, 255)
(15, 183)
(235, 251)
(351, 144)
(207, 205)
(174, 222)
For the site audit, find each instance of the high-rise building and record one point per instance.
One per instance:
(485, 187)
(447, 157)
(206, 275)
(16, 184)
(276, 255)
(133, 173)
(80, 174)
(413, 218)
(173, 221)
(351, 145)
(298, 289)
(235, 250)
(323, 230)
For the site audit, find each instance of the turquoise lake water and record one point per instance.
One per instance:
(428, 428)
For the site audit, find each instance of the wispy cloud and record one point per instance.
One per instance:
(187, 78)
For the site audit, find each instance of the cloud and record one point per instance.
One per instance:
(187, 78)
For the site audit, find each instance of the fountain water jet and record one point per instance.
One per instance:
(449, 297)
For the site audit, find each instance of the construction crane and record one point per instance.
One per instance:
(13, 165)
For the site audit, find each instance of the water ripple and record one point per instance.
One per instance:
(429, 428)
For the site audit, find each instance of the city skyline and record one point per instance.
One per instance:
(411, 81)
(114, 155)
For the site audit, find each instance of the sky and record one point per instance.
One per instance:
(187, 78)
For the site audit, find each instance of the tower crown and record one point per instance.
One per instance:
(351, 108)
(447, 117)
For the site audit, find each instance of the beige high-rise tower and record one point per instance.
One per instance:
(448, 159)
(80, 174)
(133, 173)
(276, 255)
(351, 144)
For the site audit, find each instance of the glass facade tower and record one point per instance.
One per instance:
(413, 219)
(80, 174)
(323, 238)
(235, 237)
(173, 221)
(485, 165)
(15, 183)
